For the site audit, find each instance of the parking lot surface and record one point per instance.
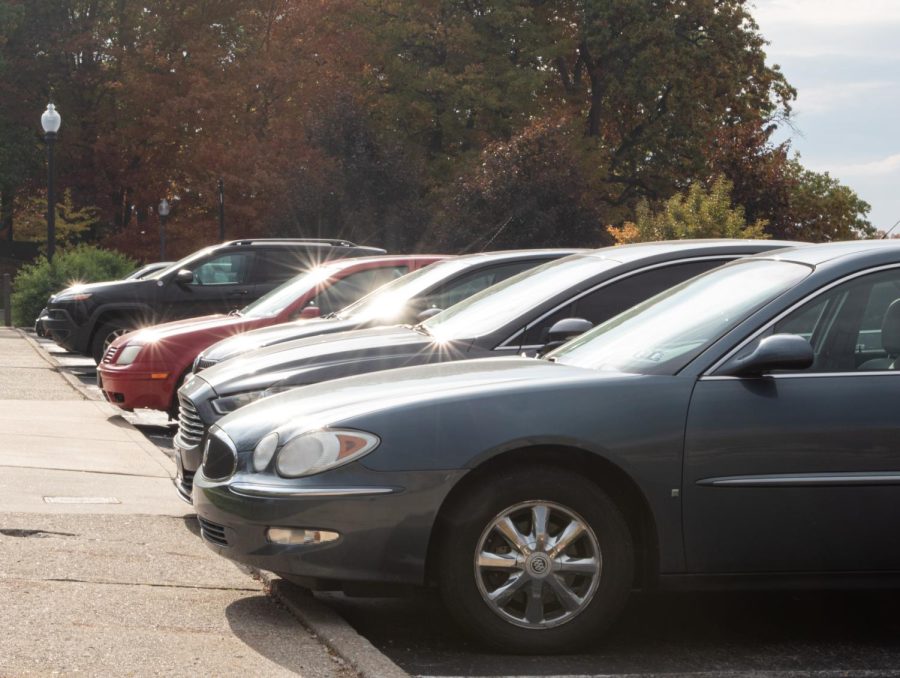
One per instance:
(102, 570)
(784, 635)
(729, 634)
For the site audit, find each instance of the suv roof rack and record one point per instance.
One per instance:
(339, 242)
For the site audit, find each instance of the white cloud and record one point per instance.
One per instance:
(814, 100)
(827, 12)
(875, 168)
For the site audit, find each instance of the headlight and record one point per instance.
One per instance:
(72, 295)
(263, 452)
(317, 451)
(232, 403)
(128, 354)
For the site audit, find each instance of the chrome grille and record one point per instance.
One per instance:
(190, 426)
(110, 354)
(203, 363)
(212, 532)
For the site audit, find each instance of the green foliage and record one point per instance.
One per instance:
(82, 264)
(821, 209)
(699, 213)
(73, 224)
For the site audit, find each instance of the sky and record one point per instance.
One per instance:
(843, 57)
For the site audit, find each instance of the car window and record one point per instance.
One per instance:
(466, 285)
(231, 268)
(279, 265)
(610, 300)
(844, 325)
(354, 286)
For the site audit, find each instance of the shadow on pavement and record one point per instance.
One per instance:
(261, 626)
(665, 633)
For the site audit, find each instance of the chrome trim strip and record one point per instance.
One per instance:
(805, 480)
(264, 490)
(801, 375)
(709, 257)
(753, 335)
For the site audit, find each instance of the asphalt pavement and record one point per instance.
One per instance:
(102, 570)
(781, 634)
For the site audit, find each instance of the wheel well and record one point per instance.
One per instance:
(611, 478)
(112, 316)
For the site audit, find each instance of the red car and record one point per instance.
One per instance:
(145, 368)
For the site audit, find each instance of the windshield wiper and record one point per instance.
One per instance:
(234, 312)
(421, 329)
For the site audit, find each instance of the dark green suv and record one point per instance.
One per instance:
(86, 318)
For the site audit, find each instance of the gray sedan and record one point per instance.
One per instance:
(737, 430)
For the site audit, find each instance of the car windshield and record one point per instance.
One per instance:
(666, 332)
(180, 264)
(388, 303)
(286, 294)
(500, 304)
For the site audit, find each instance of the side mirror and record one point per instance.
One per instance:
(184, 277)
(778, 352)
(428, 313)
(310, 311)
(563, 330)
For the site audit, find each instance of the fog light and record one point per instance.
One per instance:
(294, 537)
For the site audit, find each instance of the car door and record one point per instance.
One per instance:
(221, 283)
(800, 470)
(608, 299)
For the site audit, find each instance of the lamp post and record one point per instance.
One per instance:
(50, 121)
(220, 185)
(163, 211)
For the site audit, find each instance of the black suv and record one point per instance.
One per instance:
(86, 318)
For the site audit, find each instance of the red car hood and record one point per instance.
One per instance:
(205, 330)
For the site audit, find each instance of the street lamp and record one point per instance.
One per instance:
(50, 121)
(163, 211)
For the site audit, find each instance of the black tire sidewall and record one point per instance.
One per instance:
(490, 497)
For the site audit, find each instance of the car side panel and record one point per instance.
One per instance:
(655, 407)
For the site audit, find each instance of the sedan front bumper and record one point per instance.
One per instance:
(384, 521)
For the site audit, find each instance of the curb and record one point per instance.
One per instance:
(73, 381)
(330, 628)
(137, 437)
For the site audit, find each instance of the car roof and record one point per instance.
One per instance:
(817, 254)
(515, 255)
(678, 249)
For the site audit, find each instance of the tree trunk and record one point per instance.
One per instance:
(6, 212)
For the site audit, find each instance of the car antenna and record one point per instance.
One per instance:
(888, 232)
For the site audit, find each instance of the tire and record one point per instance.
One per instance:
(604, 551)
(104, 336)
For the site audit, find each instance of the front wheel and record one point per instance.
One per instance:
(104, 336)
(537, 560)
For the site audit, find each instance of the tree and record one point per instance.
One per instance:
(697, 213)
(821, 209)
(73, 224)
(534, 191)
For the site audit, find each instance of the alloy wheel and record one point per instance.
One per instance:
(538, 564)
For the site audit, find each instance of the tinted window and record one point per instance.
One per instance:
(354, 286)
(278, 265)
(610, 300)
(231, 268)
(466, 285)
(844, 324)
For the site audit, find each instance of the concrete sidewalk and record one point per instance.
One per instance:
(102, 571)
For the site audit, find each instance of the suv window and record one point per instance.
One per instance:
(230, 268)
(610, 300)
(279, 265)
(354, 286)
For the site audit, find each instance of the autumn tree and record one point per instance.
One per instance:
(698, 212)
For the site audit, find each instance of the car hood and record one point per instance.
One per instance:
(188, 327)
(275, 334)
(329, 356)
(115, 286)
(333, 402)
